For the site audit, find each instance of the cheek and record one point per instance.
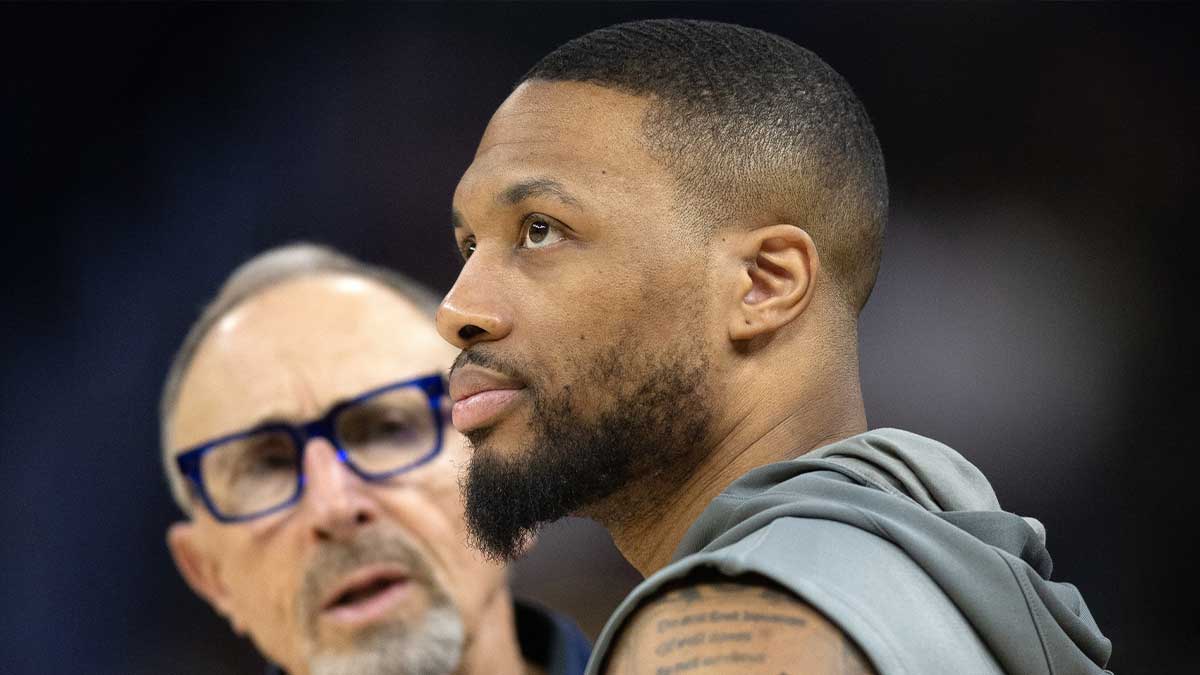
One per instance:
(555, 337)
(606, 302)
(264, 579)
(456, 454)
(433, 514)
(431, 511)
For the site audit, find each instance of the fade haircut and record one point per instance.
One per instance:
(268, 269)
(749, 123)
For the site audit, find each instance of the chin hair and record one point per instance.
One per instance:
(433, 647)
(654, 421)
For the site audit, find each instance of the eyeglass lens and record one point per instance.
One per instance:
(381, 435)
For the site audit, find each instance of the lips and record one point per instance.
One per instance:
(366, 595)
(481, 396)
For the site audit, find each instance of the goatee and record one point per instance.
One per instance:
(652, 420)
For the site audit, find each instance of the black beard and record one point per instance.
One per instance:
(654, 420)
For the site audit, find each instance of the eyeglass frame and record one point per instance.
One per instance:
(188, 461)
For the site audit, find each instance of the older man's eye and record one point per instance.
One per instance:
(540, 232)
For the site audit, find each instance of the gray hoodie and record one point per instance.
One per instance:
(901, 542)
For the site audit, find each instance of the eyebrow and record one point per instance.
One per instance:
(519, 192)
(536, 187)
(294, 420)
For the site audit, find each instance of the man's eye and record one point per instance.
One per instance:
(540, 232)
(268, 458)
(466, 247)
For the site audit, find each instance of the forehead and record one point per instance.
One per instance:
(296, 348)
(582, 134)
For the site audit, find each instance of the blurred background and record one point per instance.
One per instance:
(1031, 311)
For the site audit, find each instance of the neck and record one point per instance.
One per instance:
(492, 646)
(775, 424)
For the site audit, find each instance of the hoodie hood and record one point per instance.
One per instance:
(922, 498)
(918, 468)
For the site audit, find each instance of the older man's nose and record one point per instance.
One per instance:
(334, 496)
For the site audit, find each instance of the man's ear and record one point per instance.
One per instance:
(198, 569)
(777, 280)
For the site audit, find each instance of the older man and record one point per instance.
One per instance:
(304, 434)
(669, 229)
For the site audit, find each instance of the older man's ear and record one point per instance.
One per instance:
(200, 570)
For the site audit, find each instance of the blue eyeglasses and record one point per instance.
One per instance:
(378, 434)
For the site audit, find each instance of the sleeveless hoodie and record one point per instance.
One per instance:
(901, 542)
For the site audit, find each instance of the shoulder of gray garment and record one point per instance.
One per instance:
(901, 542)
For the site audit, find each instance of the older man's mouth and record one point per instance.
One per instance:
(367, 595)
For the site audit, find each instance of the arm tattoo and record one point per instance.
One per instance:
(733, 627)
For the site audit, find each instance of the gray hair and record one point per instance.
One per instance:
(434, 647)
(270, 268)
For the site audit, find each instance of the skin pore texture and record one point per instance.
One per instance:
(576, 240)
(289, 353)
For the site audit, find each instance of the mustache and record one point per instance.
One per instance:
(477, 356)
(333, 561)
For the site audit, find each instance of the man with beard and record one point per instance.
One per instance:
(304, 434)
(669, 229)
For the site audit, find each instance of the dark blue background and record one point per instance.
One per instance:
(1033, 310)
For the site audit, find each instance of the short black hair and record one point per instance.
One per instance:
(748, 122)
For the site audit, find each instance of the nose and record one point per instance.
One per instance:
(474, 310)
(334, 496)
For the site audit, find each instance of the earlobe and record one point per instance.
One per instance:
(197, 569)
(777, 281)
